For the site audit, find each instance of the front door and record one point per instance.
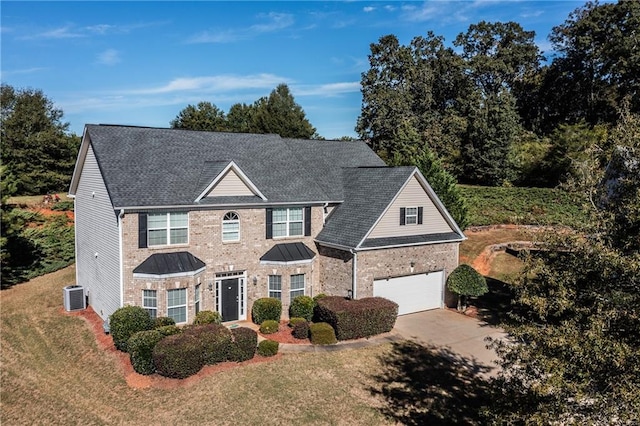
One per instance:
(230, 299)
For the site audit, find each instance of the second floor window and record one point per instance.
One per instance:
(168, 228)
(288, 222)
(231, 227)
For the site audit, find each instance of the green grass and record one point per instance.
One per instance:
(522, 206)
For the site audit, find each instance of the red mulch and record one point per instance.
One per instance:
(283, 335)
(139, 381)
(49, 212)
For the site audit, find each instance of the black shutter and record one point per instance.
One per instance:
(142, 230)
(269, 221)
(402, 214)
(420, 215)
(307, 221)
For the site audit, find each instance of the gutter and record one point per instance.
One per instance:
(354, 274)
(121, 256)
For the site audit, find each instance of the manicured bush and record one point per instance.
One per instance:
(266, 308)
(207, 317)
(294, 320)
(301, 330)
(322, 334)
(245, 341)
(215, 342)
(466, 282)
(127, 321)
(302, 306)
(269, 327)
(354, 319)
(318, 297)
(169, 330)
(162, 321)
(178, 356)
(268, 348)
(140, 347)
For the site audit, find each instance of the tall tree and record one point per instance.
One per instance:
(240, 118)
(36, 148)
(205, 116)
(280, 114)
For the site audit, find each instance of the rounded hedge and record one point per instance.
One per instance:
(302, 306)
(245, 341)
(301, 330)
(269, 327)
(266, 308)
(178, 356)
(207, 317)
(294, 320)
(163, 321)
(127, 321)
(215, 342)
(140, 347)
(169, 330)
(268, 348)
(466, 281)
(322, 334)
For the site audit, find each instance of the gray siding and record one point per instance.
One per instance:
(97, 234)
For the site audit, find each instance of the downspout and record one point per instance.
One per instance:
(121, 256)
(324, 214)
(354, 274)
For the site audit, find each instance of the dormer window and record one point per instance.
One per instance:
(231, 227)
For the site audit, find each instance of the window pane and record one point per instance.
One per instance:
(180, 219)
(275, 282)
(412, 211)
(279, 229)
(279, 215)
(179, 236)
(295, 213)
(176, 304)
(230, 226)
(411, 220)
(297, 282)
(149, 299)
(295, 228)
(157, 220)
(157, 237)
(178, 314)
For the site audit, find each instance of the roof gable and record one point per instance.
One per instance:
(230, 182)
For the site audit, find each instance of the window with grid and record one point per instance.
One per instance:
(150, 302)
(411, 216)
(275, 286)
(168, 228)
(297, 286)
(177, 305)
(231, 227)
(288, 222)
(196, 299)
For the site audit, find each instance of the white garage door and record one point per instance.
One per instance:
(412, 293)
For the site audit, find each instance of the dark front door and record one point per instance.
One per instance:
(230, 299)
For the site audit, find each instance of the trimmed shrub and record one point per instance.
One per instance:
(302, 306)
(354, 319)
(127, 321)
(301, 330)
(215, 342)
(169, 330)
(322, 334)
(140, 347)
(269, 327)
(294, 320)
(318, 297)
(466, 282)
(268, 348)
(178, 356)
(162, 321)
(207, 317)
(266, 308)
(245, 341)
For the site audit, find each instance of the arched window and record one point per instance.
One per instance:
(231, 227)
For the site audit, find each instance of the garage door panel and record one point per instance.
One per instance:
(412, 293)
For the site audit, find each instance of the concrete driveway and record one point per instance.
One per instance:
(446, 329)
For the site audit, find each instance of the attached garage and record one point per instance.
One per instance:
(412, 293)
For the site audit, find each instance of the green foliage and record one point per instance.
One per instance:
(466, 282)
(245, 341)
(353, 319)
(178, 356)
(35, 145)
(168, 330)
(163, 321)
(266, 308)
(301, 330)
(268, 348)
(215, 342)
(294, 320)
(318, 297)
(322, 334)
(66, 206)
(126, 321)
(140, 346)
(269, 327)
(207, 317)
(204, 116)
(302, 306)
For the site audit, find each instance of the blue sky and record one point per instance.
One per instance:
(140, 63)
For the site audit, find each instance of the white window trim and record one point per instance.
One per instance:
(291, 289)
(407, 216)
(228, 222)
(197, 306)
(150, 308)
(269, 290)
(168, 229)
(288, 222)
(186, 310)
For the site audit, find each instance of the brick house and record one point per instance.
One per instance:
(180, 221)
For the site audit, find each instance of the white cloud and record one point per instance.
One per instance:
(109, 57)
(32, 70)
(56, 33)
(327, 90)
(273, 22)
(390, 8)
(217, 83)
(368, 9)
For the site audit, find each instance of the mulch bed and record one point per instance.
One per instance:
(140, 381)
(283, 335)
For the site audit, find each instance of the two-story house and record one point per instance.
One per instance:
(180, 221)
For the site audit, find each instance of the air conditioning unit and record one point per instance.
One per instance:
(74, 298)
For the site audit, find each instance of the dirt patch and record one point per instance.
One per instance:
(48, 212)
(140, 381)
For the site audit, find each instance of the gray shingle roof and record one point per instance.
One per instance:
(410, 240)
(368, 191)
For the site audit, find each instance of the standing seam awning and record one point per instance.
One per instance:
(169, 264)
(285, 253)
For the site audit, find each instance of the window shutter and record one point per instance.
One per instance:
(420, 215)
(142, 230)
(269, 222)
(307, 221)
(402, 216)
